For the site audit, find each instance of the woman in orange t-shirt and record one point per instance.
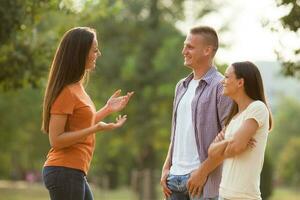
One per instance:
(70, 117)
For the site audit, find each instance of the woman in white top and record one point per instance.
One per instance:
(242, 144)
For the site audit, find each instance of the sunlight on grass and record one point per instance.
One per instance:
(20, 190)
(285, 194)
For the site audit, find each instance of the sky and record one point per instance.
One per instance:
(247, 37)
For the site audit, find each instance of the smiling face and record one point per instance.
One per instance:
(231, 84)
(93, 55)
(195, 51)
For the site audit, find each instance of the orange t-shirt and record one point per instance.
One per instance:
(74, 102)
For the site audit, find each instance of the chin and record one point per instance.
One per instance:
(188, 65)
(91, 67)
(225, 93)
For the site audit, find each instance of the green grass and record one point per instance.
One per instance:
(285, 194)
(24, 191)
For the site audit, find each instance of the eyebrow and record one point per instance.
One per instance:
(188, 44)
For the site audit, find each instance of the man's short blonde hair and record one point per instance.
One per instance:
(209, 34)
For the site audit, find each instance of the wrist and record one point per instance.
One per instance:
(97, 127)
(106, 110)
(201, 172)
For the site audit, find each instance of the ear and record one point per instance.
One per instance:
(241, 82)
(208, 50)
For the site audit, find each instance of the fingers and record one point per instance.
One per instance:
(194, 191)
(120, 120)
(197, 192)
(191, 191)
(189, 187)
(116, 94)
(220, 137)
(167, 192)
(120, 117)
(222, 134)
(251, 143)
(128, 96)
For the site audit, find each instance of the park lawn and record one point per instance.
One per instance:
(24, 191)
(285, 194)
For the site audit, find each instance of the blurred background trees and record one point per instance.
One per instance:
(141, 52)
(291, 22)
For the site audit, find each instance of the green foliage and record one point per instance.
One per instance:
(291, 21)
(283, 141)
(266, 179)
(286, 125)
(141, 51)
(289, 163)
(23, 52)
(22, 145)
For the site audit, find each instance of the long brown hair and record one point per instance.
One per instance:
(68, 66)
(253, 85)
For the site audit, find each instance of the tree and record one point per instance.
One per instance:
(291, 22)
(266, 179)
(286, 124)
(282, 138)
(20, 43)
(289, 163)
(141, 52)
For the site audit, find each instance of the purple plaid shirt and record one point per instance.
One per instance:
(209, 111)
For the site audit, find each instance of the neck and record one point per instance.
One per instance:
(242, 101)
(201, 70)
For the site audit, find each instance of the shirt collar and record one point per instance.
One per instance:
(207, 78)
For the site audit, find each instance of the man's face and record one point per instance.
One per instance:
(195, 51)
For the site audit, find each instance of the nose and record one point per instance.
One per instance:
(223, 81)
(99, 53)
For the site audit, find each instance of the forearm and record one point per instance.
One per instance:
(167, 163)
(69, 138)
(102, 113)
(234, 149)
(215, 157)
(217, 149)
(209, 165)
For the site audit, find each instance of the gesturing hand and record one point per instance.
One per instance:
(116, 102)
(120, 120)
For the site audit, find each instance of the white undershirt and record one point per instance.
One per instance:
(185, 155)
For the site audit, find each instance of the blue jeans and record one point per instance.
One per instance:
(177, 184)
(66, 183)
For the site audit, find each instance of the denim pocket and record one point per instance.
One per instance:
(50, 176)
(177, 183)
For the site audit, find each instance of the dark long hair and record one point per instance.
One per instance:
(68, 66)
(253, 85)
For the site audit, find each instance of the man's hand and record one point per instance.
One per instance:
(163, 182)
(196, 183)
